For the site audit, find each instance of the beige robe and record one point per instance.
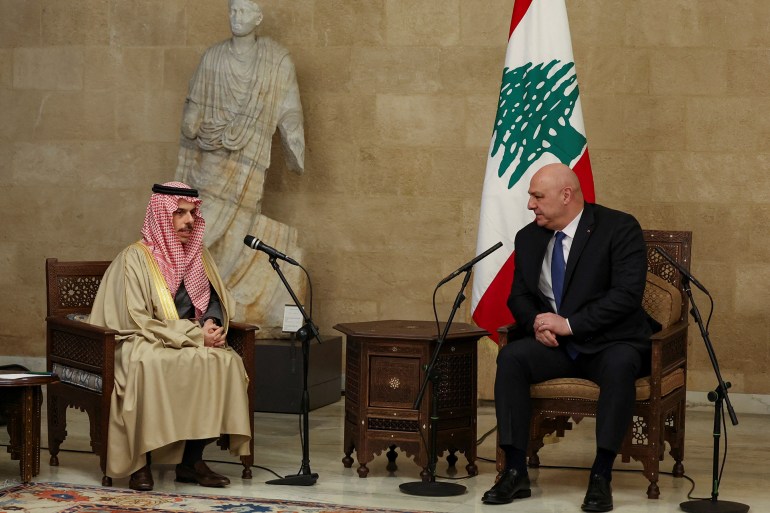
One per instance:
(168, 387)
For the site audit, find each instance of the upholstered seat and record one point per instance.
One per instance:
(577, 388)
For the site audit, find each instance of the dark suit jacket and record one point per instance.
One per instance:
(603, 284)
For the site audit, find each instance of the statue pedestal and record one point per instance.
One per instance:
(278, 377)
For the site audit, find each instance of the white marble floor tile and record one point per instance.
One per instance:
(554, 489)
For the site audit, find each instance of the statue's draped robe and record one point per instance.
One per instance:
(169, 387)
(240, 101)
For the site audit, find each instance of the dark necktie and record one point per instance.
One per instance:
(558, 269)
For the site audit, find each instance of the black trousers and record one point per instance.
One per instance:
(526, 361)
(193, 451)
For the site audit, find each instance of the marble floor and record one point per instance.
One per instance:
(554, 489)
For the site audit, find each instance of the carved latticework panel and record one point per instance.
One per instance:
(353, 372)
(393, 424)
(674, 349)
(78, 292)
(235, 340)
(72, 286)
(457, 385)
(676, 244)
(639, 431)
(71, 347)
(658, 265)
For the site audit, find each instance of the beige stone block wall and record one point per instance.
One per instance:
(75, 22)
(674, 93)
(399, 99)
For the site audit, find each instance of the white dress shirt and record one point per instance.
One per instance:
(545, 284)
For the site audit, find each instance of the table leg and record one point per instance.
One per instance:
(29, 462)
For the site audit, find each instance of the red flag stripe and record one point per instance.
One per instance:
(520, 8)
(583, 171)
(492, 309)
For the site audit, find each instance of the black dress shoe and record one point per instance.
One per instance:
(141, 480)
(200, 473)
(599, 494)
(511, 485)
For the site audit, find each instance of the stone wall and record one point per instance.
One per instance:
(399, 99)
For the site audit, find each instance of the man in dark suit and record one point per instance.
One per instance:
(577, 290)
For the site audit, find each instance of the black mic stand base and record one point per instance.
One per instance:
(432, 489)
(713, 506)
(295, 480)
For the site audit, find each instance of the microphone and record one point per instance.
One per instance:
(470, 264)
(255, 243)
(682, 270)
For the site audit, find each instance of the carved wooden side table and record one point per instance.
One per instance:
(385, 367)
(20, 401)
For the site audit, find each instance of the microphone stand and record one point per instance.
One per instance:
(304, 477)
(717, 396)
(433, 488)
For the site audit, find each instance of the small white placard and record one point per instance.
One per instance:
(292, 319)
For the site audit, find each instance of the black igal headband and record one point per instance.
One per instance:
(174, 191)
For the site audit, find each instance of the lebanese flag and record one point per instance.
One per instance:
(539, 121)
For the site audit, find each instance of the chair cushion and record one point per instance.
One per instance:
(662, 300)
(78, 377)
(576, 388)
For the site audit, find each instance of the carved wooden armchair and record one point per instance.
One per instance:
(83, 356)
(659, 413)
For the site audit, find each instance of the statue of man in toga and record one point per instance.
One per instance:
(244, 88)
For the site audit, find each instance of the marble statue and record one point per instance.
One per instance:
(244, 88)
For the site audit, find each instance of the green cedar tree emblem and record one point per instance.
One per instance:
(536, 103)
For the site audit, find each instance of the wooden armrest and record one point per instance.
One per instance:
(79, 328)
(80, 345)
(241, 338)
(242, 326)
(503, 332)
(669, 348)
(670, 333)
